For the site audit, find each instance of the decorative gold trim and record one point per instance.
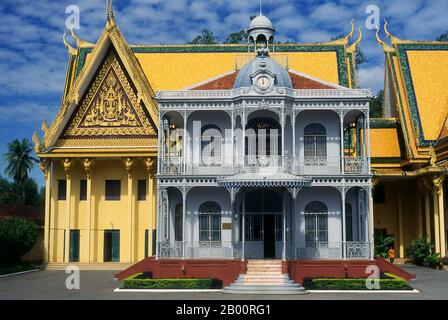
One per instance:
(78, 128)
(392, 38)
(44, 165)
(129, 166)
(344, 40)
(354, 45)
(67, 164)
(145, 92)
(150, 164)
(112, 142)
(37, 144)
(88, 164)
(386, 47)
(71, 50)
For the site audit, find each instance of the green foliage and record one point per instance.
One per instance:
(382, 244)
(236, 37)
(19, 161)
(387, 282)
(422, 253)
(136, 281)
(206, 37)
(8, 194)
(11, 193)
(376, 105)
(17, 237)
(443, 37)
(17, 268)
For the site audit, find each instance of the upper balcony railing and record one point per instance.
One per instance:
(235, 93)
(224, 165)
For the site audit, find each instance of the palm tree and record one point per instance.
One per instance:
(20, 162)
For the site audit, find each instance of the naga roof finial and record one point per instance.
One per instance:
(344, 40)
(385, 46)
(71, 50)
(74, 36)
(353, 46)
(392, 38)
(352, 31)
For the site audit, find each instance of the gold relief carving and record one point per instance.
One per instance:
(437, 181)
(115, 142)
(44, 126)
(110, 107)
(150, 164)
(67, 163)
(88, 166)
(432, 153)
(129, 165)
(37, 143)
(374, 181)
(44, 166)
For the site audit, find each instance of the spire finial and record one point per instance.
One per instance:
(111, 10)
(110, 19)
(261, 3)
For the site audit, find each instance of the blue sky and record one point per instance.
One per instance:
(33, 60)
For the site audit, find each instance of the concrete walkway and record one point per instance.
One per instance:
(433, 284)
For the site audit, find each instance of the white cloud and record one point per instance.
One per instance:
(372, 77)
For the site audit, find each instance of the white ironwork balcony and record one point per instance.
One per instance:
(200, 249)
(187, 95)
(233, 250)
(356, 165)
(224, 165)
(329, 250)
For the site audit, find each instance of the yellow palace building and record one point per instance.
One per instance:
(408, 151)
(99, 155)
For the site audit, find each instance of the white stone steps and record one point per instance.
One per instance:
(264, 277)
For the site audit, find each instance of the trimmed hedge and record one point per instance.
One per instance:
(388, 282)
(15, 269)
(139, 281)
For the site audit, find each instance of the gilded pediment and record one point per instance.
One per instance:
(110, 108)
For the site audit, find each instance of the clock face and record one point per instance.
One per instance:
(263, 82)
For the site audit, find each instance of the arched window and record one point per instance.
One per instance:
(315, 144)
(263, 137)
(316, 224)
(211, 137)
(210, 222)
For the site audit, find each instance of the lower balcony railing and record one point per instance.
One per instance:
(200, 249)
(329, 250)
(233, 250)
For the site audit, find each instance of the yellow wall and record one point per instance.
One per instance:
(104, 214)
(386, 215)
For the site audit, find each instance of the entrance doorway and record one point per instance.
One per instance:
(269, 236)
(262, 224)
(112, 246)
